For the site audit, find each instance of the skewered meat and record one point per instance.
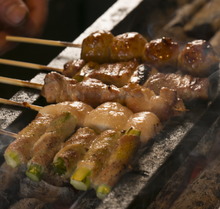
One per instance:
(127, 46)
(102, 47)
(49, 144)
(139, 98)
(76, 108)
(90, 91)
(109, 115)
(121, 156)
(72, 67)
(187, 87)
(95, 47)
(118, 74)
(94, 92)
(162, 54)
(94, 159)
(20, 151)
(198, 58)
(73, 150)
(147, 123)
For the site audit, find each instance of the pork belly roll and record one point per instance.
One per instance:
(21, 149)
(147, 123)
(49, 144)
(117, 164)
(72, 151)
(94, 159)
(198, 59)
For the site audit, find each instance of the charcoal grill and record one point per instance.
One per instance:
(182, 139)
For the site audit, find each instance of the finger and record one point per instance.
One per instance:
(13, 12)
(5, 46)
(38, 11)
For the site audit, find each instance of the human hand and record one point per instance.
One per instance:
(21, 17)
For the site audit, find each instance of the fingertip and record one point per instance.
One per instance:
(16, 14)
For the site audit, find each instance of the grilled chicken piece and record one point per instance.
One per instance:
(139, 98)
(118, 74)
(103, 47)
(49, 144)
(63, 196)
(20, 150)
(187, 87)
(73, 150)
(109, 115)
(162, 54)
(205, 22)
(198, 58)
(95, 47)
(147, 123)
(127, 46)
(94, 159)
(73, 67)
(90, 91)
(94, 92)
(117, 163)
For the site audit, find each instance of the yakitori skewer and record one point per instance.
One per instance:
(29, 65)
(196, 58)
(21, 83)
(95, 92)
(21, 104)
(42, 41)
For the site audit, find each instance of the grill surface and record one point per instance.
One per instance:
(165, 154)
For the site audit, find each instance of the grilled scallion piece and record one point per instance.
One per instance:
(117, 163)
(49, 144)
(94, 159)
(74, 149)
(19, 151)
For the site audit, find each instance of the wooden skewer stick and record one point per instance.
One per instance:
(29, 65)
(21, 83)
(20, 104)
(42, 41)
(8, 133)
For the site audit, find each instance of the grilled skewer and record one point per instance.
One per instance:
(20, 151)
(103, 47)
(94, 93)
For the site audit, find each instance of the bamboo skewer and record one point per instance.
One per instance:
(21, 83)
(29, 65)
(20, 104)
(8, 133)
(42, 41)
